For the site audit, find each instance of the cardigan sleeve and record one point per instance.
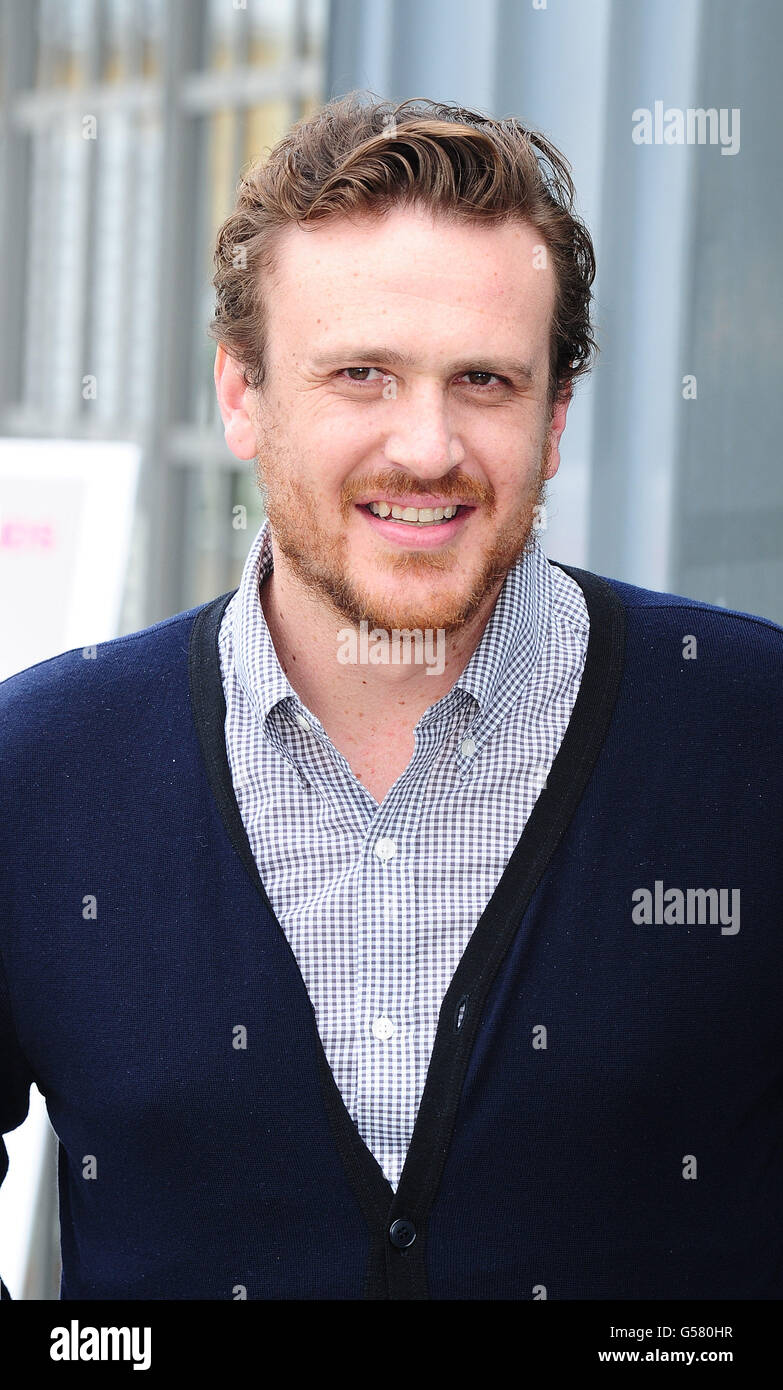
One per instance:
(15, 1081)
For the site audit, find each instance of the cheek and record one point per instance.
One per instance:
(515, 489)
(334, 456)
(503, 441)
(347, 438)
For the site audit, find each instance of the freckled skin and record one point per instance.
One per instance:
(440, 293)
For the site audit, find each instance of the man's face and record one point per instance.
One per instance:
(407, 366)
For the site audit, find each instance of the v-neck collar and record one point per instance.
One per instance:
(397, 1266)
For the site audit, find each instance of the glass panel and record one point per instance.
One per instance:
(227, 22)
(143, 329)
(43, 225)
(313, 28)
(728, 513)
(56, 269)
(245, 494)
(222, 174)
(266, 124)
(257, 32)
(208, 533)
(94, 235)
(271, 32)
(50, 44)
(260, 126)
(63, 40)
(148, 16)
(308, 107)
(110, 268)
(116, 54)
(217, 542)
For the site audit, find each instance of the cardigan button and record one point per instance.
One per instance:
(402, 1234)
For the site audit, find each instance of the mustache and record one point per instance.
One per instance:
(469, 491)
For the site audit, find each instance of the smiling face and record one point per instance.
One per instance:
(407, 373)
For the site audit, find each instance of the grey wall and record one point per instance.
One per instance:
(728, 515)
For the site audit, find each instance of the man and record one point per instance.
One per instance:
(405, 923)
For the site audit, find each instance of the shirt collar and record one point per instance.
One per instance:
(503, 661)
(512, 641)
(256, 662)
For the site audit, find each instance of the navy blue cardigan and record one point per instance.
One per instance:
(603, 1112)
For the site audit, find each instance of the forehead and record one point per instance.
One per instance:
(412, 270)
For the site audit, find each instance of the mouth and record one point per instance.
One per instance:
(417, 526)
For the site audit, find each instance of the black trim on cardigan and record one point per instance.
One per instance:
(370, 1184)
(398, 1270)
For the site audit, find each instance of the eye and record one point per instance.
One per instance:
(359, 376)
(484, 385)
(358, 380)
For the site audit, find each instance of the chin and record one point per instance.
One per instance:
(443, 609)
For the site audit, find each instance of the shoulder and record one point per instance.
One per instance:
(93, 690)
(78, 666)
(655, 613)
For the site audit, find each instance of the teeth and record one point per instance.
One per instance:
(422, 516)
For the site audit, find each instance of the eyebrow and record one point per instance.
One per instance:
(509, 366)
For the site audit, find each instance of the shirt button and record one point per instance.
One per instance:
(467, 748)
(304, 723)
(402, 1234)
(386, 849)
(383, 1028)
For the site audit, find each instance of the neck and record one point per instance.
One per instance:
(384, 696)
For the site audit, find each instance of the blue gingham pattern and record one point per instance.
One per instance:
(378, 902)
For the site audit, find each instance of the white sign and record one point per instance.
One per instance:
(66, 510)
(66, 514)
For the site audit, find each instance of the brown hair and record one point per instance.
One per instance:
(354, 156)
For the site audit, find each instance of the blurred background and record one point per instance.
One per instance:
(124, 125)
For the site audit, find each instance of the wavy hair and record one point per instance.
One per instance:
(358, 156)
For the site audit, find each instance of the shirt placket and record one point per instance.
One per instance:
(388, 928)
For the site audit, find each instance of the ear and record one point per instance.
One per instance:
(559, 412)
(234, 399)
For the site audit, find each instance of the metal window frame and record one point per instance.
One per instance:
(177, 449)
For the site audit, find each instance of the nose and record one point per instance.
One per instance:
(421, 436)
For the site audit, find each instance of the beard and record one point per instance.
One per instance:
(319, 557)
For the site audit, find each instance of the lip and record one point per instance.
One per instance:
(425, 537)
